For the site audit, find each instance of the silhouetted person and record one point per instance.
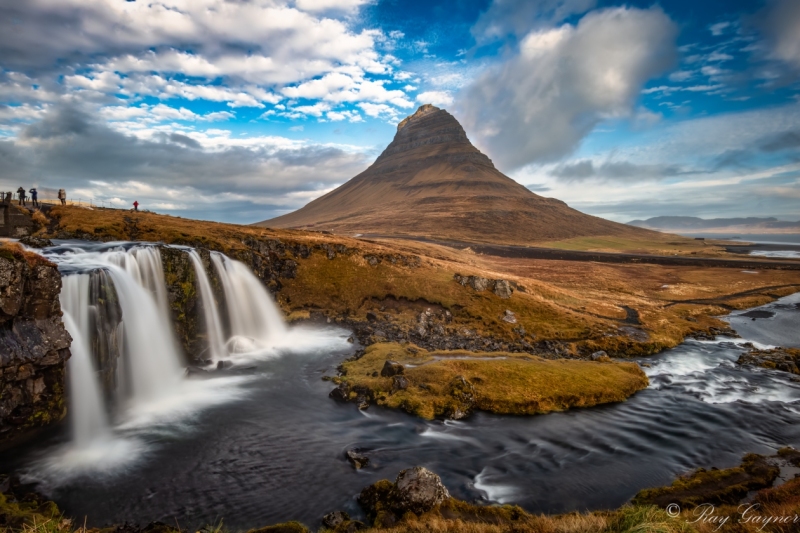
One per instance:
(21, 194)
(62, 195)
(34, 197)
(135, 205)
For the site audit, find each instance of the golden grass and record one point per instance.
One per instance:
(14, 251)
(577, 303)
(504, 383)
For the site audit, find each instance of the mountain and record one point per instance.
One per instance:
(432, 182)
(718, 225)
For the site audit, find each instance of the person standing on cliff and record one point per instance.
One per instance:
(62, 195)
(34, 197)
(21, 194)
(135, 205)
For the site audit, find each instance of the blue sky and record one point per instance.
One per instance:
(240, 111)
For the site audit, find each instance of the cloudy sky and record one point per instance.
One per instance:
(240, 110)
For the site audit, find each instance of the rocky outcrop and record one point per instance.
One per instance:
(106, 335)
(416, 490)
(501, 287)
(34, 345)
(784, 359)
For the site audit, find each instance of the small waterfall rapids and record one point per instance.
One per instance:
(150, 386)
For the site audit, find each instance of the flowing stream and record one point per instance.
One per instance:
(261, 442)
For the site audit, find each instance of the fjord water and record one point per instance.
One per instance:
(271, 447)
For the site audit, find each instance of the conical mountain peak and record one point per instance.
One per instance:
(432, 182)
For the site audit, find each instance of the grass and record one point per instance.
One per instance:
(503, 383)
(578, 304)
(15, 252)
(663, 244)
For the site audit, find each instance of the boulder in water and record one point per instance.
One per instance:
(357, 459)
(331, 520)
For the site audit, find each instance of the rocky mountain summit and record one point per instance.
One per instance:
(432, 182)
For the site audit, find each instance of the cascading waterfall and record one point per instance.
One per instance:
(216, 343)
(256, 322)
(88, 416)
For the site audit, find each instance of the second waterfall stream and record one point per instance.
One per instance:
(127, 367)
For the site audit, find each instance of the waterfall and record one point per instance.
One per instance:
(87, 412)
(216, 344)
(151, 364)
(256, 323)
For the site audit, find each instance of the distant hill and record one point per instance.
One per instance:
(432, 182)
(718, 225)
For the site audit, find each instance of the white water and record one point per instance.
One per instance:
(214, 335)
(89, 419)
(256, 322)
(155, 399)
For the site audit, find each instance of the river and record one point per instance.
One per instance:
(262, 442)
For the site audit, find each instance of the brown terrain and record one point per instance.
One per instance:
(432, 182)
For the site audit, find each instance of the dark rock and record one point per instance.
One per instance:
(399, 383)
(34, 347)
(463, 392)
(392, 368)
(372, 317)
(224, 364)
(340, 393)
(331, 520)
(358, 460)
(502, 288)
(36, 242)
(418, 490)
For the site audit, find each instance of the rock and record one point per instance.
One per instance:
(36, 242)
(331, 520)
(372, 317)
(358, 460)
(463, 394)
(340, 393)
(224, 364)
(502, 288)
(509, 317)
(418, 490)
(399, 383)
(597, 355)
(478, 283)
(34, 345)
(392, 368)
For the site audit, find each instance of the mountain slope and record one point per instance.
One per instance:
(432, 182)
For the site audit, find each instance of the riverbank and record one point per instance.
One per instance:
(760, 495)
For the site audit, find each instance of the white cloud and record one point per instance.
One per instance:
(351, 116)
(437, 98)
(539, 104)
(718, 28)
(328, 5)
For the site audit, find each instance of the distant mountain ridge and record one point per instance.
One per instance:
(678, 223)
(432, 182)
